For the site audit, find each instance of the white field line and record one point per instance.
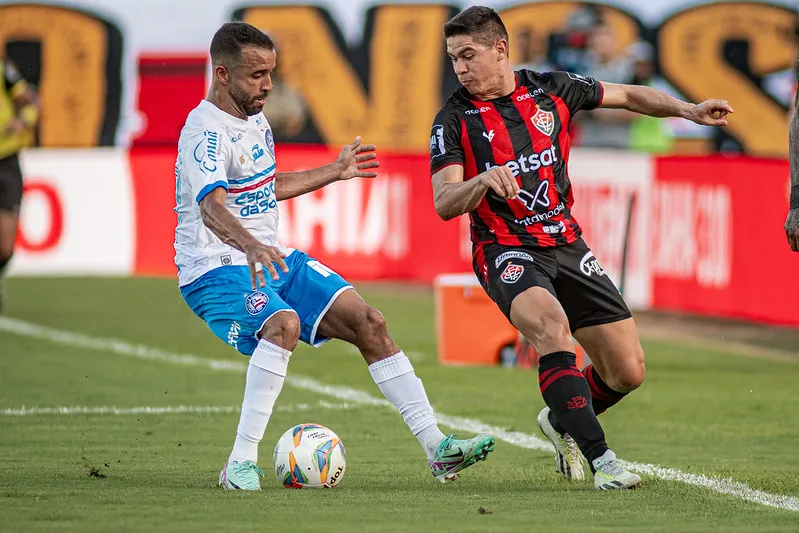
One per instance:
(722, 486)
(164, 410)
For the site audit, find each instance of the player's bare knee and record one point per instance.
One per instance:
(556, 332)
(548, 334)
(283, 330)
(628, 378)
(371, 325)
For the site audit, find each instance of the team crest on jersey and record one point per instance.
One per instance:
(544, 121)
(269, 139)
(256, 302)
(512, 273)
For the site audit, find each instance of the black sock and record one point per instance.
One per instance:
(568, 396)
(602, 396)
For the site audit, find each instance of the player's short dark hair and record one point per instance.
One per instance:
(233, 36)
(482, 23)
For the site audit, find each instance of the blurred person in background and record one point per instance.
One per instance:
(568, 49)
(647, 134)
(287, 111)
(19, 114)
(532, 51)
(606, 128)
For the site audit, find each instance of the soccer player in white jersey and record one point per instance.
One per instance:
(228, 189)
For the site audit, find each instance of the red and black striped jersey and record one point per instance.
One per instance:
(528, 132)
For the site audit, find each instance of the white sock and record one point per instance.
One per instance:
(265, 375)
(399, 384)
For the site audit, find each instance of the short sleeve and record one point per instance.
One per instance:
(205, 166)
(445, 141)
(579, 92)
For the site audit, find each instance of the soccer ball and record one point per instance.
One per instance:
(309, 456)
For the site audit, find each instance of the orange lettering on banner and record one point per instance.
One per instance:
(547, 18)
(405, 72)
(55, 228)
(73, 88)
(691, 51)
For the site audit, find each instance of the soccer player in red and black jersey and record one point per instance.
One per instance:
(499, 150)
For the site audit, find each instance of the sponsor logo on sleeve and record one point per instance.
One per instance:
(437, 148)
(581, 79)
(205, 156)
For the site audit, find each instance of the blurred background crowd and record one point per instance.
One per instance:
(585, 45)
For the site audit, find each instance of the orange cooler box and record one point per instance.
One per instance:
(470, 329)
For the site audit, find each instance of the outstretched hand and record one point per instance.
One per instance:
(711, 113)
(356, 158)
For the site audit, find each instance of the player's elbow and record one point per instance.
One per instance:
(443, 206)
(444, 211)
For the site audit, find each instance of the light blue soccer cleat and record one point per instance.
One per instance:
(240, 476)
(453, 455)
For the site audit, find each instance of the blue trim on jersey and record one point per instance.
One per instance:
(210, 187)
(261, 174)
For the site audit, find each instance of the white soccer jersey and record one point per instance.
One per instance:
(217, 149)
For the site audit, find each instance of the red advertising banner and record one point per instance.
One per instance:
(706, 234)
(384, 228)
(718, 246)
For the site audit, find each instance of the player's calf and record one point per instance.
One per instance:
(371, 335)
(618, 361)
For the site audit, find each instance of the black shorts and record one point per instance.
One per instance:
(570, 273)
(10, 184)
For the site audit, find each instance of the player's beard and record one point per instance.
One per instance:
(248, 103)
